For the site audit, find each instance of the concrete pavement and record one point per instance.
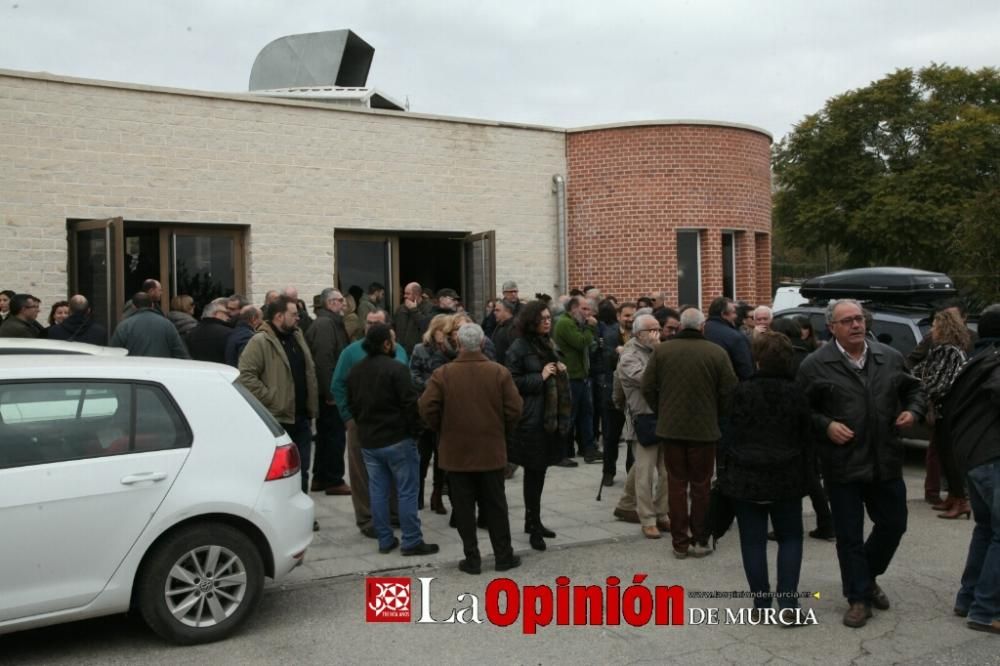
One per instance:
(569, 508)
(318, 616)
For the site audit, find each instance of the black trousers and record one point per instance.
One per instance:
(614, 423)
(466, 490)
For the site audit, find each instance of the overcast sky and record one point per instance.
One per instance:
(762, 62)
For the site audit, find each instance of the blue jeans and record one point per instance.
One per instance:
(786, 516)
(301, 434)
(980, 592)
(582, 416)
(861, 561)
(399, 463)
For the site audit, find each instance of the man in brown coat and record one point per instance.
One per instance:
(473, 403)
(688, 381)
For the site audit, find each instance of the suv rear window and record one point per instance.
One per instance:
(264, 415)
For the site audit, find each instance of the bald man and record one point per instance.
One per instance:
(412, 318)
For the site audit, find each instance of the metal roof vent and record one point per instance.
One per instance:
(316, 59)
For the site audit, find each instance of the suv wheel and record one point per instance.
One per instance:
(200, 584)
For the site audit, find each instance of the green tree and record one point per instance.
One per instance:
(905, 172)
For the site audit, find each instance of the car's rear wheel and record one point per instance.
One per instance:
(200, 584)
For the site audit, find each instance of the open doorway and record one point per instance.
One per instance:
(435, 263)
(461, 261)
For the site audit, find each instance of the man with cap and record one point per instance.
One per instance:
(509, 297)
(447, 302)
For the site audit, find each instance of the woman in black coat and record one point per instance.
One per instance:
(543, 383)
(766, 465)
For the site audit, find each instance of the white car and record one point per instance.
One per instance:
(152, 484)
(42, 346)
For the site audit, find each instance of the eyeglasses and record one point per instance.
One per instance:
(546, 318)
(847, 321)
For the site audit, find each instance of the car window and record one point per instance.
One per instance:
(44, 422)
(894, 334)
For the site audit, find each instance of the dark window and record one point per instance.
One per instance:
(729, 265)
(688, 268)
(45, 422)
(895, 334)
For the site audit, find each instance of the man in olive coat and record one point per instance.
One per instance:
(688, 382)
(473, 403)
(277, 367)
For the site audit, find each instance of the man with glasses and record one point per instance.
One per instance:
(277, 367)
(861, 394)
(22, 320)
(327, 339)
(639, 503)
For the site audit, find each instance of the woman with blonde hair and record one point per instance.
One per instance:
(950, 344)
(355, 327)
(435, 349)
(181, 314)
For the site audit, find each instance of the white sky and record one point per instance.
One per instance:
(763, 62)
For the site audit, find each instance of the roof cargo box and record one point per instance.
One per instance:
(886, 284)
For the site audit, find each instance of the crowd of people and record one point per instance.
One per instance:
(760, 404)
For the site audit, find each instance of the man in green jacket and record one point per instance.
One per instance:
(573, 333)
(277, 367)
(688, 383)
(147, 332)
(356, 470)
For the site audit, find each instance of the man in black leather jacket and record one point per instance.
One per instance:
(860, 394)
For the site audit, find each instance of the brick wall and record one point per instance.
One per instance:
(630, 188)
(290, 172)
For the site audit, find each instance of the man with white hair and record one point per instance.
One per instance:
(327, 339)
(649, 469)
(688, 383)
(762, 317)
(473, 403)
(207, 340)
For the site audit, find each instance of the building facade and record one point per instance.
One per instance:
(105, 184)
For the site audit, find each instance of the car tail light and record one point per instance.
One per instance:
(285, 463)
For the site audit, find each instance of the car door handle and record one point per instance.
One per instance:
(132, 479)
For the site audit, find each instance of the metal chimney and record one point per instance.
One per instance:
(331, 58)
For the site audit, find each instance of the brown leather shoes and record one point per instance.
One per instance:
(342, 489)
(663, 524)
(857, 615)
(651, 532)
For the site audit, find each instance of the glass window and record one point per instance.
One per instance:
(158, 425)
(51, 421)
(45, 422)
(894, 334)
(729, 265)
(688, 268)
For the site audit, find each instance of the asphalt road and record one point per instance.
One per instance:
(324, 621)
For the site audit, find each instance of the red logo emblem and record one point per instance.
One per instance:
(387, 599)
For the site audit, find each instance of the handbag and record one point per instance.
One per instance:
(645, 429)
(721, 513)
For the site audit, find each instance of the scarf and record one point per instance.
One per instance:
(558, 400)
